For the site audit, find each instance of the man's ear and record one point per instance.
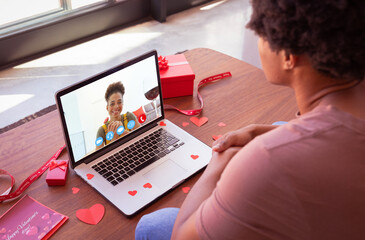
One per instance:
(290, 60)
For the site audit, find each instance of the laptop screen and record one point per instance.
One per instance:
(110, 106)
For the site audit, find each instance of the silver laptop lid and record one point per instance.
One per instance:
(110, 108)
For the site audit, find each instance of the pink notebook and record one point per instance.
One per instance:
(29, 219)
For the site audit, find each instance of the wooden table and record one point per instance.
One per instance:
(243, 99)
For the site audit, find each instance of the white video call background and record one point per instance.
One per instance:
(85, 108)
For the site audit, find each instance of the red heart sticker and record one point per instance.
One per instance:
(185, 124)
(162, 124)
(92, 215)
(132, 193)
(186, 189)
(194, 156)
(215, 137)
(147, 185)
(75, 190)
(199, 121)
(89, 176)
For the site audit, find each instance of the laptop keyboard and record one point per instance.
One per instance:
(137, 156)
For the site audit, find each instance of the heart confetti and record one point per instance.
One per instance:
(194, 156)
(75, 190)
(92, 215)
(215, 137)
(221, 124)
(147, 185)
(132, 193)
(199, 121)
(162, 124)
(186, 189)
(185, 124)
(89, 176)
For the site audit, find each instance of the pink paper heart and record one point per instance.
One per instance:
(89, 176)
(186, 189)
(75, 190)
(32, 231)
(162, 124)
(185, 124)
(132, 193)
(91, 215)
(216, 137)
(199, 121)
(45, 216)
(194, 156)
(147, 185)
(3, 230)
(221, 124)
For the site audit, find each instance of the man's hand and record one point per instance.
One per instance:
(241, 136)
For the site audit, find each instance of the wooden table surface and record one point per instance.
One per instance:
(237, 101)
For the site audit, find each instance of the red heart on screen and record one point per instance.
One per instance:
(186, 189)
(147, 185)
(185, 124)
(199, 121)
(132, 193)
(75, 190)
(89, 176)
(215, 137)
(194, 156)
(92, 215)
(162, 124)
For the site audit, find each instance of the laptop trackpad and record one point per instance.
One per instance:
(166, 173)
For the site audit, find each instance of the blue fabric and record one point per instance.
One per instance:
(157, 225)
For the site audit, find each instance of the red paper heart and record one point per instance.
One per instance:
(185, 124)
(89, 176)
(147, 185)
(199, 121)
(221, 124)
(215, 137)
(32, 231)
(92, 215)
(132, 193)
(162, 124)
(186, 189)
(194, 156)
(75, 190)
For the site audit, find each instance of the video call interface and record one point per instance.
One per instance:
(110, 108)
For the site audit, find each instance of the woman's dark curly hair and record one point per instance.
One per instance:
(116, 87)
(330, 32)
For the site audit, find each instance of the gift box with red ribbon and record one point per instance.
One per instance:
(177, 77)
(57, 173)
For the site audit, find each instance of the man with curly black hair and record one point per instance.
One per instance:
(304, 179)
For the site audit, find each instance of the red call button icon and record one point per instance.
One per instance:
(142, 118)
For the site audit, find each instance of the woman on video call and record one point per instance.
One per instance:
(114, 99)
(304, 179)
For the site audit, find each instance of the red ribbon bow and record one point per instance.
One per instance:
(54, 164)
(162, 63)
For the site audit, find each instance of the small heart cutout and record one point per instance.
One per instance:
(186, 189)
(194, 156)
(75, 190)
(132, 193)
(147, 185)
(199, 121)
(185, 124)
(221, 124)
(162, 124)
(216, 137)
(91, 215)
(89, 176)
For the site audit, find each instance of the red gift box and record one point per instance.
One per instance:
(57, 173)
(177, 78)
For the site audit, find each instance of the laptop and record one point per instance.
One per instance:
(130, 154)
